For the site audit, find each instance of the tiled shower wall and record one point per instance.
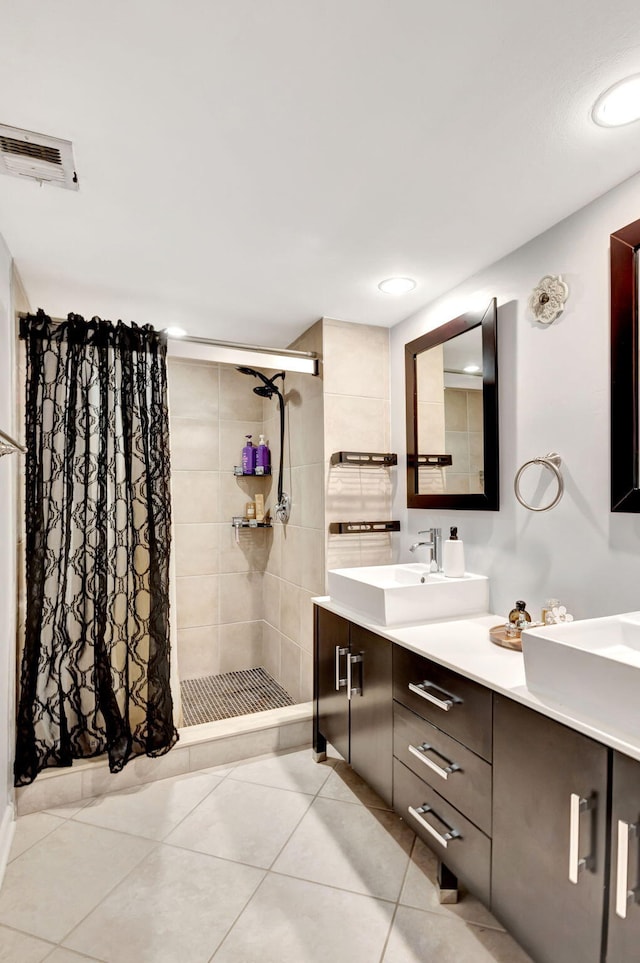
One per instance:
(356, 418)
(296, 563)
(218, 582)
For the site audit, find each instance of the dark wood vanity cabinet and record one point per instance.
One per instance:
(354, 698)
(624, 889)
(549, 835)
(538, 820)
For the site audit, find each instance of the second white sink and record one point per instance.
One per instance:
(592, 666)
(400, 594)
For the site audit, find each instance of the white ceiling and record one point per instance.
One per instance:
(247, 166)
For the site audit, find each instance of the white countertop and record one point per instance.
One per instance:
(464, 646)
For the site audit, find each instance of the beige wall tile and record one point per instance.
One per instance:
(296, 734)
(196, 548)
(240, 646)
(233, 748)
(457, 443)
(312, 496)
(306, 620)
(292, 554)
(361, 424)
(197, 600)
(240, 597)
(430, 374)
(193, 389)
(274, 548)
(458, 484)
(271, 599)
(356, 359)
(375, 549)
(237, 490)
(198, 652)
(247, 554)
(313, 561)
(474, 410)
(195, 497)
(431, 432)
(195, 444)
(49, 792)
(306, 432)
(455, 409)
(271, 651)
(290, 662)
(476, 451)
(237, 398)
(306, 677)
(290, 610)
(343, 551)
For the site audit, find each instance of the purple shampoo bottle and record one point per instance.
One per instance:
(249, 457)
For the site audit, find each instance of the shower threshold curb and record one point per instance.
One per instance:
(205, 746)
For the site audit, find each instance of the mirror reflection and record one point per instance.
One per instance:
(449, 411)
(451, 377)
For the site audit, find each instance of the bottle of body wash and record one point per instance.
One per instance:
(263, 458)
(453, 556)
(249, 457)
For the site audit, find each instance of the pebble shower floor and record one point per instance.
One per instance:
(230, 694)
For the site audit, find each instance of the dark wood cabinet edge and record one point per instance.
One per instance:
(625, 493)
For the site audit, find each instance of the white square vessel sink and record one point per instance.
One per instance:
(592, 666)
(400, 594)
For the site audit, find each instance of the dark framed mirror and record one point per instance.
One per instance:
(452, 414)
(625, 445)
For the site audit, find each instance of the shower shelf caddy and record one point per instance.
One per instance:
(364, 459)
(237, 470)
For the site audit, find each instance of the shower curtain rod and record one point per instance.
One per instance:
(308, 357)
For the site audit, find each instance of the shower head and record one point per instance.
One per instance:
(268, 389)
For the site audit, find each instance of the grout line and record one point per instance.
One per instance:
(397, 902)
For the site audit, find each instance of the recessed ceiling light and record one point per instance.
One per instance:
(471, 369)
(397, 285)
(174, 331)
(619, 104)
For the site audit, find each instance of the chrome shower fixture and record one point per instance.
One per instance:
(268, 389)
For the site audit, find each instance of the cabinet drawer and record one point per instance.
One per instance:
(467, 851)
(455, 772)
(457, 706)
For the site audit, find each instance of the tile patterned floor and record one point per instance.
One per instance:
(231, 694)
(275, 860)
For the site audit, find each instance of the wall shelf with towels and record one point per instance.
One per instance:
(362, 528)
(365, 459)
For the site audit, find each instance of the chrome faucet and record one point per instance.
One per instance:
(434, 544)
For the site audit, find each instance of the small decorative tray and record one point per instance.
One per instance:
(498, 635)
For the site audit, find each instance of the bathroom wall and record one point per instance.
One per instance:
(9, 465)
(554, 396)
(295, 570)
(218, 581)
(356, 406)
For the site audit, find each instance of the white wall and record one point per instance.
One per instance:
(554, 396)
(8, 474)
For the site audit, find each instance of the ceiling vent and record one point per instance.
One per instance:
(48, 160)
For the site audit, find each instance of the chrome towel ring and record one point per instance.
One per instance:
(552, 461)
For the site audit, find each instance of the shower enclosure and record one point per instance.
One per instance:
(243, 595)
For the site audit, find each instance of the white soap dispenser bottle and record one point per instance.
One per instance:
(453, 556)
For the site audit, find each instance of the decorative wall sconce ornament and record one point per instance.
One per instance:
(548, 298)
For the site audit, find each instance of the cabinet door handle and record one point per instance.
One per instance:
(578, 805)
(624, 895)
(443, 838)
(420, 753)
(421, 689)
(354, 689)
(339, 682)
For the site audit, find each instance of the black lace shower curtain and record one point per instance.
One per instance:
(95, 667)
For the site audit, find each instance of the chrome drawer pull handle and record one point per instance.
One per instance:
(578, 805)
(443, 839)
(421, 689)
(339, 682)
(354, 689)
(624, 895)
(420, 753)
